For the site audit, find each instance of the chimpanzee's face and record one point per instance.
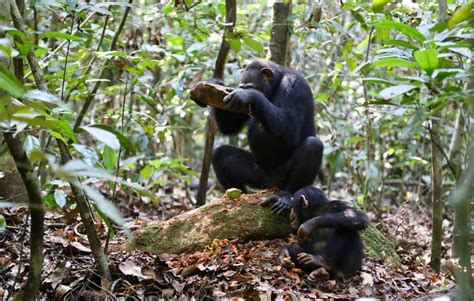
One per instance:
(294, 220)
(254, 78)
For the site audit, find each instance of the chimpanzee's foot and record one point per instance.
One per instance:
(311, 261)
(281, 202)
(318, 275)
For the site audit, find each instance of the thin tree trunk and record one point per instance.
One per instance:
(25, 168)
(437, 175)
(30, 181)
(230, 18)
(280, 33)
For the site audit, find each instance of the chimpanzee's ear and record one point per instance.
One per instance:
(304, 201)
(267, 73)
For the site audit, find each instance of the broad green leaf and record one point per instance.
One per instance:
(393, 62)
(124, 141)
(59, 35)
(46, 97)
(9, 83)
(402, 28)
(106, 206)
(60, 197)
(461, 14)
(88, 153)
(103, 136)
(31, 144)
(393, 91)
(146, 172)
(254, 44)
(427, 59)
(110, 158)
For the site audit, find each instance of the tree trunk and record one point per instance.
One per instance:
(230, 19)
(437, 175)
(280, 33)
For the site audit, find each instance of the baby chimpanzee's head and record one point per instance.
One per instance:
(305, 204)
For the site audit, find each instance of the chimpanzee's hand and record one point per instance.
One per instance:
(238, 98)
(281, 203)
(304, 232)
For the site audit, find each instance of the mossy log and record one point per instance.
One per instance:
(213, 94)
(242, 218)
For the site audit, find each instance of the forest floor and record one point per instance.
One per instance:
(225, 269)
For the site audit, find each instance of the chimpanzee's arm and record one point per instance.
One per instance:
(338, 215)
(229, 123)
(283, 115)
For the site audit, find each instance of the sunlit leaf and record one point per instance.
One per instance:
(427, 59)
(252, 43)
(103, 136)
(31, 144)
(461, 14)
(106, 206)
(110, 158)
(124, 141)
(393, 62)
(393, 91)
(9, 83)
(402, 28)
(60, 197)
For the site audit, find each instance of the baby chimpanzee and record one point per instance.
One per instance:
(329, 244)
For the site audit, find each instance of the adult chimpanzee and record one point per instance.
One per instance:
(328, 233)
(284, 151)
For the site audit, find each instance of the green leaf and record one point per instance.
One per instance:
(427, 59)
(376, 80)
(461, 14)
(59, 35)
(106, 206)
(393, 62)
(402, 28)
(110, 158)
(393, 91)
(103, 136)
(3, 224)
(124, 141)
(146, 172)
(9, 83)
(254, 44)
(31, 144)
(60, 197)
(400, 43)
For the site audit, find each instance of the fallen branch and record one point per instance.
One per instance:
(213, 94)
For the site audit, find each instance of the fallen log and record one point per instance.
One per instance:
(213, 94)
(242, 218)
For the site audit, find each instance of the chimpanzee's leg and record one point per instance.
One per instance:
(343, 253)
(299, 171)
(305, 164)
(235, 167)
